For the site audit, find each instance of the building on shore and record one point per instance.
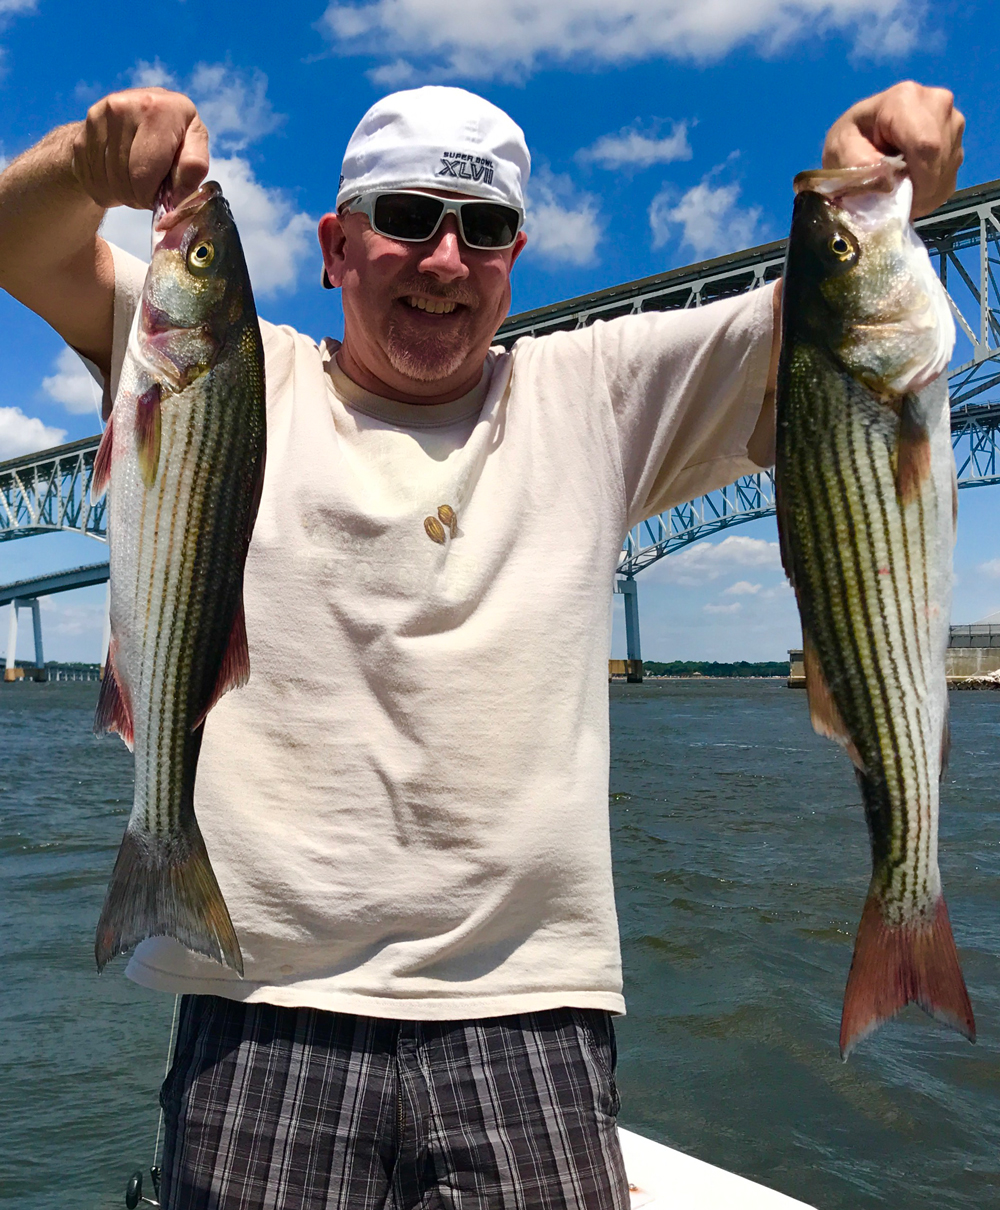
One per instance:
(971, 662)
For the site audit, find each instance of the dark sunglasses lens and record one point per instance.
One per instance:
(488, 225)
(406, 216)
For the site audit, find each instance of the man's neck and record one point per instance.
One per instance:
(423, 392)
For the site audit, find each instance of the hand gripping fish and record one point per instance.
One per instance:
(184, 455)
(866, 499)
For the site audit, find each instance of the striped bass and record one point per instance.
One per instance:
(183, 459)
(866, 499)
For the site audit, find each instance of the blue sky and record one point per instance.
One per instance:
(661, 131)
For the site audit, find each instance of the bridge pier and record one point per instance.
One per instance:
(629, 589)
(31, 603)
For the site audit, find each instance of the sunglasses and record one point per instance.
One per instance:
(412, 216)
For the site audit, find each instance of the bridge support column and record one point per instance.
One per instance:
(36, 625)
(8, 672)
(630, 591)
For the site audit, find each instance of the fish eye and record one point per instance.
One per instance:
(201, 255)
(841, 247)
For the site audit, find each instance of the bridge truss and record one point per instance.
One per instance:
(50, 491)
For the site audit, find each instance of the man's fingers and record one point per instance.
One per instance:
(191, 164)
(130, 141)
(120, 127)
(921, 124)
(165, 121)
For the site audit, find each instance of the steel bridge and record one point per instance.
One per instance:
(50, 491)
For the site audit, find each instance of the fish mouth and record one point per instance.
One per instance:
(167, 215)
(835, 183)
(169, 218)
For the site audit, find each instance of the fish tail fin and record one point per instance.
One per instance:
(893, 966)
(166, 888)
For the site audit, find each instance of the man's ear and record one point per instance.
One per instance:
(518, 248)
(331, 241)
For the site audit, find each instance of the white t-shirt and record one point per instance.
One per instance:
(407, 807)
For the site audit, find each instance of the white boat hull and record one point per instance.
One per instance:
(663, 1179)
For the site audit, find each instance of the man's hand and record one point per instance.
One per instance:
(53, 198)
(920, 124)
(132, 140)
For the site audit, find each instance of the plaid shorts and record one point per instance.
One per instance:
(272, 1108)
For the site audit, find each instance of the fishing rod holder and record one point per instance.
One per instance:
(133, 1190)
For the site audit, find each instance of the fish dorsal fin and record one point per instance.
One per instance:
(823, 713)
(147, 433)
(913, 452)
(114, 711)
(101, 473)
(235, 670)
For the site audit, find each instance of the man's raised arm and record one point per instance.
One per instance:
(53, 197)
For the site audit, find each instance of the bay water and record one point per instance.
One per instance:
(741, 864)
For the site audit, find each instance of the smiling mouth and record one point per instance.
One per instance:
(433, 306)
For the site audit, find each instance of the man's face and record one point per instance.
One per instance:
(418, 318)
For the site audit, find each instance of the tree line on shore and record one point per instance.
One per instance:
(711, 668)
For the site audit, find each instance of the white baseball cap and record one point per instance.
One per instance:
(437, 138)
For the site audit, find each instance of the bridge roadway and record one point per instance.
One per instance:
(50, 491)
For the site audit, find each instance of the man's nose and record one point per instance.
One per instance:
(443, 257)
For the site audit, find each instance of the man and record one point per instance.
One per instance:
(406, 811)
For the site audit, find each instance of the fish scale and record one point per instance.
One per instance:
(183, 455)
(865, 480)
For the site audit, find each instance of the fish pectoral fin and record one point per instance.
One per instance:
(894, 965)
(235, 669)
(101, 474)
(913, 453)
(823, 713)
(147, 433)
(114, 711)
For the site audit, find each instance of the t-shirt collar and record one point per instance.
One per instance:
(404, 415)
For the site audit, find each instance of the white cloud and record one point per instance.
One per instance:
(990, 568)
(470, 41)
(742, 588)
(562, 226)
(129, 229)
(8, 9)
(393, 75)
(734, 608)
(278, 240)
(711, 221)
(233, 104)
(20, 434)
(152, 75)
(630, 147)
(704, 561)
(72, 385)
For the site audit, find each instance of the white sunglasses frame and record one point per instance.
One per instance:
(364, 204)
